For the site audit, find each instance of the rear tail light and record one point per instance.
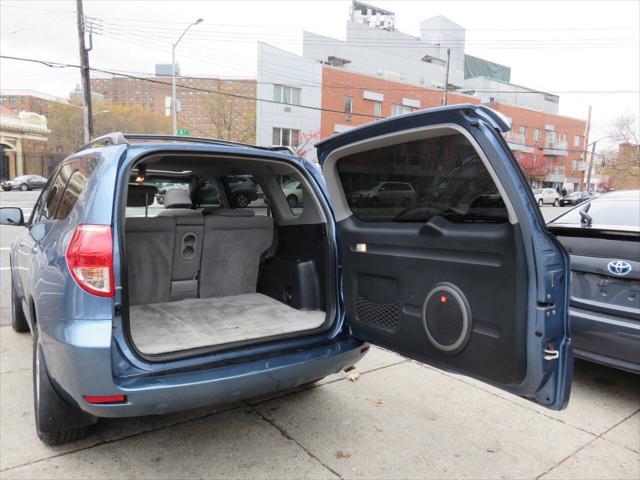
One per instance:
(102, 399)
(90, 259)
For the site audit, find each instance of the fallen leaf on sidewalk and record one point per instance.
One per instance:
(343, 454)
(378, 403)
(353, 377)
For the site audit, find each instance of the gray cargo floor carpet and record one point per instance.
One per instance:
(200, 322)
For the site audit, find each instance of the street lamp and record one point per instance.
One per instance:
(174, 102)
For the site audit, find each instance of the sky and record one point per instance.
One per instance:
(588, 52)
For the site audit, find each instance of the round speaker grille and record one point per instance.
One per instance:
(447, 318)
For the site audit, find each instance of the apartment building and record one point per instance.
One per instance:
(208, 106)
(350, 99)
(548, 147)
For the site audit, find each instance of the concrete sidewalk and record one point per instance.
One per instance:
(398, 420)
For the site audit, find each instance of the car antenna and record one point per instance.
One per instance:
(585, 219)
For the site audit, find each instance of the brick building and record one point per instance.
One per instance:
(352, 94)
(202, 113)
(548, 147)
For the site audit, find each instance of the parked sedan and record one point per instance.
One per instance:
(546, 196)
(24, 183)
(602, 237)
(576, 198)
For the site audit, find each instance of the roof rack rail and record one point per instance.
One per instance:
(114, 138)
(118, 138)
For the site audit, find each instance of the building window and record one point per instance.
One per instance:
(523, 135)
(577, 141)
(286, 137)
(348, 105)
(285, 94)
(377, 109)
(400, 109)
(536, 135)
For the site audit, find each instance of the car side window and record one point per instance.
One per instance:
(434, 176)
(75, 186)
(54, 193)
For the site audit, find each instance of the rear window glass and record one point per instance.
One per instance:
(74, 188)
(603, 211)
(54, 193)
(415, 181)
(156, 202)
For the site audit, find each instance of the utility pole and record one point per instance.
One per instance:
(84, 72)
(586, 143)
(446, 79)
(593, 154)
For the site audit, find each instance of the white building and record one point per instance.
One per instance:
(291, 81)
(493, 90)
(392, 54)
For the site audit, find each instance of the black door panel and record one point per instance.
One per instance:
(386, 287)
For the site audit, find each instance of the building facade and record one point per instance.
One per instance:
(210, 107)
(39, 157)
(548, 147)
(350, 99)
(17, 131)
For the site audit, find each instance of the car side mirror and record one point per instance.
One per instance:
(11, 216)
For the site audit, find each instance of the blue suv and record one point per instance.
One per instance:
(140, 307)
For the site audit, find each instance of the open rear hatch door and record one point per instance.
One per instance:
(445, 257)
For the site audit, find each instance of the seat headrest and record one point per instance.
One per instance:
(140, 195)
(233, 212)
(177, 198)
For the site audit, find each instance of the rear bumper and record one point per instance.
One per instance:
(79, 368)
(610, 340)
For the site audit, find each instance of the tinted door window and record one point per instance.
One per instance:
(435, 176)
(54, 193)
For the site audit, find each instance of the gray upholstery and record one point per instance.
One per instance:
(177, 198)
(201, 322)
(149, 248)
(140, 195)
(232, 251)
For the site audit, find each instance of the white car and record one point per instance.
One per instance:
(293, 192)
(546, 196)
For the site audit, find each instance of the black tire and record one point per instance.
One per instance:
(57, 421)
(242, 200)
(292, 200)
(18, 319)
(24, 187)
(540, 203)
(556, 203)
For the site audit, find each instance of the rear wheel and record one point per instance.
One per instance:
(24, 187)
(292, 200)
(18, 319)
(57, 421)
(540, 202)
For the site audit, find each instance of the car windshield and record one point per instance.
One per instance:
(622, 211)
(575, 194)
(21, 179)
(537, 191)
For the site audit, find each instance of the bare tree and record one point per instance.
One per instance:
(232, 118)
(622, 166)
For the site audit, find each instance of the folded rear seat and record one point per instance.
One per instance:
(234, 242)
(149, 246)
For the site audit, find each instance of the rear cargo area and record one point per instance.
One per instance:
(219, 275)
(194, 323)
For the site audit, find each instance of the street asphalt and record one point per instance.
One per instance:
(399, 419)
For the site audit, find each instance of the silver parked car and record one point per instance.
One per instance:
(546, 196)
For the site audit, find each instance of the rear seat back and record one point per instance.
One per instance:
(149, 249)
(187, 254)
(234, 242)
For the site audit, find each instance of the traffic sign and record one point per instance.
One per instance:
(183, 132)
